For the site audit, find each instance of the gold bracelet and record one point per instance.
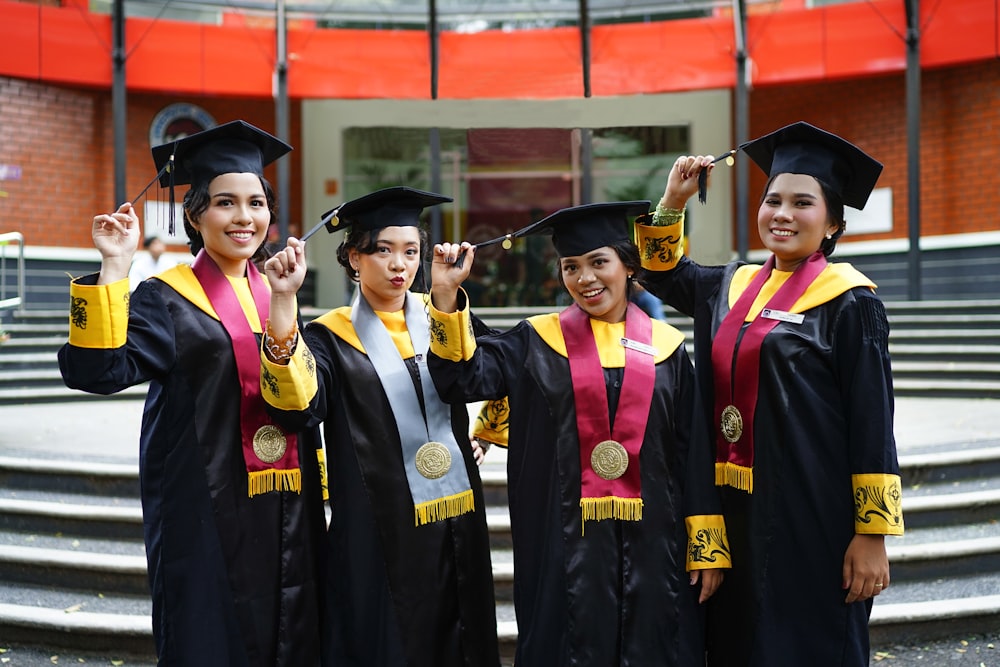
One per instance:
(664, 216)
(280, 350)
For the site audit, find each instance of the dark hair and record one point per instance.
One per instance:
(628, 253)
(365, 241)
(196, 202)
(834, 213)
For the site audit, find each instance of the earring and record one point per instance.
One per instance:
(829, 236)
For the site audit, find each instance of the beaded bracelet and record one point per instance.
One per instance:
(280, 350)
(664, 216)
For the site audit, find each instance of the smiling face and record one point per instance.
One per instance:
(387, 273)
(598, 283)
(235, 222)
(793, 219)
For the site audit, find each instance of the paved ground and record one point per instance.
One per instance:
(109, 429)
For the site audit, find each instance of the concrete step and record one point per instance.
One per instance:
(945, 388)
(84, 477)
(921, 611)
(59, 517)
(74, 569)
(116, 624)
(933, 370)
(60, 392)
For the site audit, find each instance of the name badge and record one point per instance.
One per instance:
(782, 316)
(638, 347)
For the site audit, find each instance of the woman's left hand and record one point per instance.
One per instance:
(286, 269)
(446, 277)
(866, 567)
(710, 582)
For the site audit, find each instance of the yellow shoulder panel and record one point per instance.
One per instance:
(666, 339)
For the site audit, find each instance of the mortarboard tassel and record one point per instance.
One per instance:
(703, 175)
(171, 223)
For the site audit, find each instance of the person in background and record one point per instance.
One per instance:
(232, 504)
(649, 303)
(794, 375)
(148, 264)
(409, 573)
(609, 503)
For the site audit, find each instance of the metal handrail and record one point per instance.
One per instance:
(5, 240)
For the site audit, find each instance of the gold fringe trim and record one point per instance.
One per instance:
(611, 507)
(736, 476)
(444, 508)
(265, 481)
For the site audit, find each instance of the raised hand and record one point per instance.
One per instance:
(286, 269)
(446, 277)
(682, 182)
(116, 236)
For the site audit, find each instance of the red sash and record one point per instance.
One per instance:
(610, 483)
(736, 369)
(267, 474)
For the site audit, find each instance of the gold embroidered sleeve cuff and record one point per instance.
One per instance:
(289, 387)
(708, 544)
(98, 315)
(660, 248)
(878, 504)
(451, 334)
(492, 423)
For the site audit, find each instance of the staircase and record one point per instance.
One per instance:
(72, 566)
(938, 348)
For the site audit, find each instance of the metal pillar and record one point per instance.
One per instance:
(119, 98)
(742, 128)
(913, 145)
(281, 123)
(586, 133)
(437, 225)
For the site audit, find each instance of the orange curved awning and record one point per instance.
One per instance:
(70, 45)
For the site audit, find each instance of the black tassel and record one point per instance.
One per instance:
(171, 223)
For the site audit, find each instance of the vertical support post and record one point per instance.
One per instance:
(119, 99)
(586, 133)
(913, 147)
(742, 128)
(437, 225)
(281, 122)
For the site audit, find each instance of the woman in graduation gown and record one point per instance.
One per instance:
(232, 505)
(409, 574)
(608, 507)
(793, 368)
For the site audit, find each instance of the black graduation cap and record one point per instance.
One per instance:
(234, 147)
(801, 148)
(398, 206)
(579, 229)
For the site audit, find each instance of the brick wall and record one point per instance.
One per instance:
(960, 140)
(62, 139)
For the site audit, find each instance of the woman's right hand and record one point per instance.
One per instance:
(116, 236)
(682, 182)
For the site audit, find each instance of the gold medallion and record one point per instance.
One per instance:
(269, 443)
(609, 460)
(507, 245)
(433, 460)
(731, 423)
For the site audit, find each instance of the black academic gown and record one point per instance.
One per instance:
(824, 412)
(233, 578)
(399, 594)
(611, 593)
